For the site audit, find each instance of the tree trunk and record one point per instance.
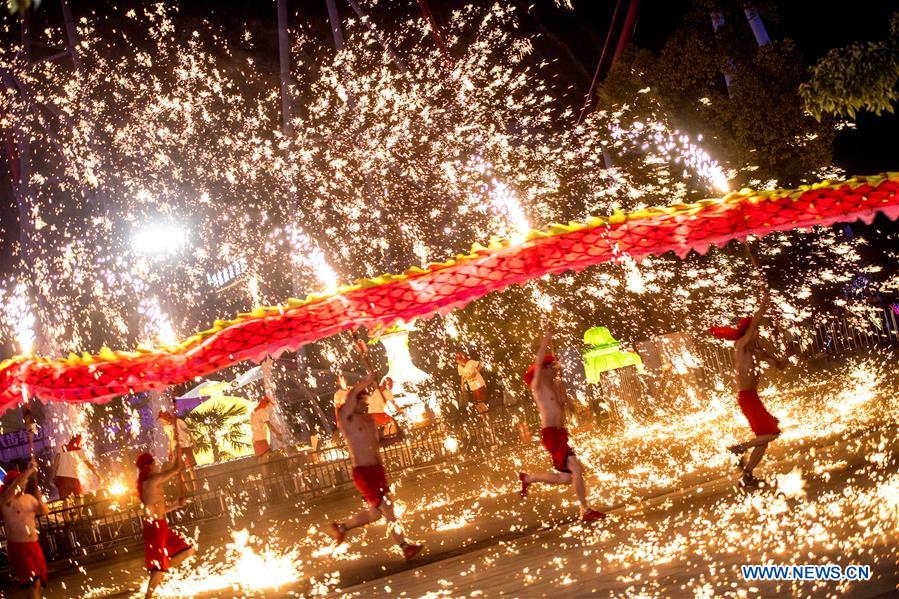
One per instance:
(435, 31)
(627, 30)
(334, 19)
(757, 25)
(717, 24)
(71, 35)
(284, 57)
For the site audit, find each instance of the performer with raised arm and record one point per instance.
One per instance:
(20, 509)
(748, 348)
(361, 435)
(552, 401)
(67, 469)
(162, 547)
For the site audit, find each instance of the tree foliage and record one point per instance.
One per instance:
(861, 76)
(218, 431)
(758, 123)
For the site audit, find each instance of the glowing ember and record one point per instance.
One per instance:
(241, 568)
(451, 445)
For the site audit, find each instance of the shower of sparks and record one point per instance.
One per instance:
(19, 318)
(246, 565)
(306, 253)
(158, 325)
(817, 511)
(386, 168)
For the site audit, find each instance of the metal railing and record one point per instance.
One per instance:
(102, 527)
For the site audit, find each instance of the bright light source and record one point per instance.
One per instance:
(117, 488)
(451, 445)
(158, 240)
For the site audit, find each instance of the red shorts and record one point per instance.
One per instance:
(26, 562)
(760, 420)
(381, 418)
(67, 485)
(161, 544)
(372, 483)
(555, 440)
(261, 447)
(188, 454)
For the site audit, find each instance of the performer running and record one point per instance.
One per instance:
(67, 469)
(361, 435)
(470, 378)
(748, 346)
(552, 401)
(185, 446)
(19, 509)
(162, 547)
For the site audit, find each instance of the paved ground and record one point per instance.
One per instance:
(677, 526)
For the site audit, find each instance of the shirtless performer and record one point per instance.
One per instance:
(162, 547)
(361, 435)
(748, 348)
(26, 559)
(551, 402)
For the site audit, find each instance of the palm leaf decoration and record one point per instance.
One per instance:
(218, 423)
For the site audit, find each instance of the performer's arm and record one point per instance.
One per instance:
(171, 507)
(353, 396)
(267, 378)
(763, 301)
(19, 485)
(168, 473)
(274, 430)
(541, 355)
(93, 469)
(41, 509)
(766, 350)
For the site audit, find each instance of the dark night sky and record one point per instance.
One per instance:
(815, 26)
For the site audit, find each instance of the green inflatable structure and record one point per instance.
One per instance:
(603, 354)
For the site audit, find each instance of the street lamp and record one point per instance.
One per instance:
(158, 240)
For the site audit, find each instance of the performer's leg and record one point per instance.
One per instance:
(372, 514)
(551, 478)
(577, 480)
(155, 579)
(173, 563)
(34, 591)
(755, 457)
(754, 442)
(386, 509)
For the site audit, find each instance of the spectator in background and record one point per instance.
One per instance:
(184, 450)
(379, 401)
(470, 378)
(67, 469)
(263, 430)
